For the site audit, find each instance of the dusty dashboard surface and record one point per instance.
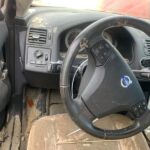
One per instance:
(48, 33)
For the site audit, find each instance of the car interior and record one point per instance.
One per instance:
(73, 79)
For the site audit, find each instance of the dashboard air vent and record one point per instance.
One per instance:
(37, 36)
(147, 47)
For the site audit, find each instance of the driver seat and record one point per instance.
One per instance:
(59, 132)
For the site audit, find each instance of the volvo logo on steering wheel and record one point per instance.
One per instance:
(125, 81)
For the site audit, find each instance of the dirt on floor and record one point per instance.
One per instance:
(36, 104)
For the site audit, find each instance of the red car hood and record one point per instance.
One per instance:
(139, 8)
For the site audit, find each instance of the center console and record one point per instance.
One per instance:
(39, 69)
(38, 59)
(38, 50)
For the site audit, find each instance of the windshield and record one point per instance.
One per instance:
(138, 8)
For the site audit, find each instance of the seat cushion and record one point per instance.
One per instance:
(59, 132)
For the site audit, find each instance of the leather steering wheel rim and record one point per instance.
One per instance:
(110, 73)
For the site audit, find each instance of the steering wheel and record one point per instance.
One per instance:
(108, 85)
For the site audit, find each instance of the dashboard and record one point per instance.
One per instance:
(45, 34)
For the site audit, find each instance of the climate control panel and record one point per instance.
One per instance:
(38, 59)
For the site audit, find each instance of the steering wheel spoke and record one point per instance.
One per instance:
(101, 51)
(143, 120)
(139, 109)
